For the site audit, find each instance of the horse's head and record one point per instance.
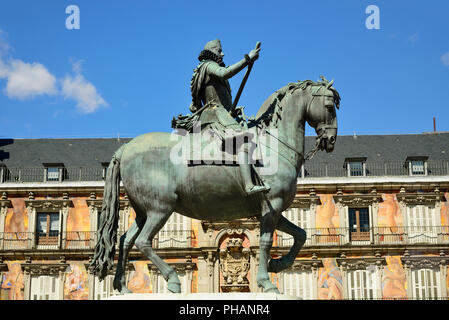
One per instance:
(321, 114)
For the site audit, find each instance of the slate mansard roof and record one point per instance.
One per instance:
(92, 152)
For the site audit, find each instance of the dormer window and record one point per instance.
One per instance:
(356, 167)
(104, 170)
(417, 166)
(54, 171)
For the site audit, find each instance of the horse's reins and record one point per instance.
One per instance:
(321, 128)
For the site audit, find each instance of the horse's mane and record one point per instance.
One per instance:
(273, 111)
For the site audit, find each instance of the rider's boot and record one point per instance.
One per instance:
(245, 169)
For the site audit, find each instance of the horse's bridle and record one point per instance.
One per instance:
(321, 127)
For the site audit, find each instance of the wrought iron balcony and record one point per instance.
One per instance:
(373, 169)
(411, 235)
(174, 239)
(84, 240)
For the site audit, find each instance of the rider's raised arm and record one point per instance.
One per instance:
(227, 72)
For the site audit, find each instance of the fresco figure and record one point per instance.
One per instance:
(13, 281)
(394, 281)
(140, 278)
(76, 283)
(330, 282)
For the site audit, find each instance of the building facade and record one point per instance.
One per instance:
(375, 211)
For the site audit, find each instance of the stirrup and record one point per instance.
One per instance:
(256, 189)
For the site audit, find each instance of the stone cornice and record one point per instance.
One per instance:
(305, 201)
(97, 203)
(360, 263)
(44, 268)
(49, 204)
(424, 261)
(356, 199)
(240, 224)
(178, 266)
(420, 198)
(307, 265)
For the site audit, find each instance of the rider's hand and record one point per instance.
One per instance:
(254, 54)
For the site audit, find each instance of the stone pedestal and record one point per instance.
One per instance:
(204, 296)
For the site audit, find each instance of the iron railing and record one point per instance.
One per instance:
(311, 169)
(410, 235)
(373, 168)
(77, 240)
(174, 239)
(39, 174)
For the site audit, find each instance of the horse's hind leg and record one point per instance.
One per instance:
(267, 225)
(299, 238)
(126, 243)
(155, 221)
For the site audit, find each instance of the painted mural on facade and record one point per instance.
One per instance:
(394, 282)
(76, 282)
(16, 217)
(390, 219)
(78, 218)
(140, 281)
(12, 284)
(445, 211)
(327, 220)
(330, 281)
(78, 224)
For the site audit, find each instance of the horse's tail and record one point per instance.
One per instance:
(107, 232)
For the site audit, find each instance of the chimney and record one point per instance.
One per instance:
(434, 125)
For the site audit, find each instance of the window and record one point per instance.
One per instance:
(417, 166)
(355, 167)
(45, 287)
(175, 233)
(52, 174)
(47, 228)
(104, 289)
(299, 284)
(362, 284)
(426, 284)
(298, 216)
(421, 224)
(104, 171)
(359, 225)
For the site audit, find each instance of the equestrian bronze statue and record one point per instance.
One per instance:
(157, 186)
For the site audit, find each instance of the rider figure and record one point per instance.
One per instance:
(210, 86)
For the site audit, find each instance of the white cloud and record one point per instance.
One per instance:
(445, 59)
(83, 92)
(27, 80)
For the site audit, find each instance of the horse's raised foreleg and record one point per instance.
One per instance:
(126, 242)
(267, 225)
(155, 221)
(299, 238)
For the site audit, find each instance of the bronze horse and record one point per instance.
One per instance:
(157, 187)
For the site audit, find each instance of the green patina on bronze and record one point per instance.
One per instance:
(157, 187)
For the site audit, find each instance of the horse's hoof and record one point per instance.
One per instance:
(272, 289)
(125, 290)
(174, 287)
(267, 287)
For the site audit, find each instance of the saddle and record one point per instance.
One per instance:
(207, 146)
(212, 143)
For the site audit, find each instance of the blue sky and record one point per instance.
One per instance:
(127, 70)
